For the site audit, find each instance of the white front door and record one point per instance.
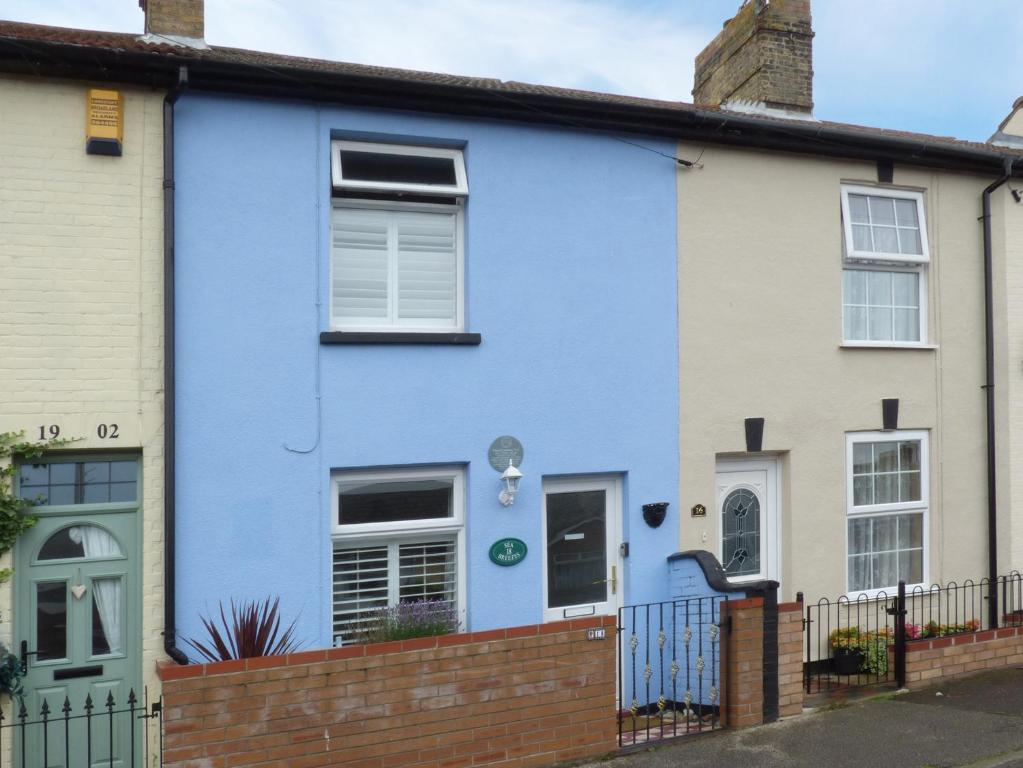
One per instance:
(747, 505)
(582, 564)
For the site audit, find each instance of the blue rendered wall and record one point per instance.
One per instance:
(570, 279)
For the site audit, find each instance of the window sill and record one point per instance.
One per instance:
(883, 345)
(399, 337)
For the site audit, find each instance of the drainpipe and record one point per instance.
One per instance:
(989, 388)
(169, 622)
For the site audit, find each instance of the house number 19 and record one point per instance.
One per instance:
(103, 431)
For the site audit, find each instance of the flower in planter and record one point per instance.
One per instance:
(422, 618)
(845, 637)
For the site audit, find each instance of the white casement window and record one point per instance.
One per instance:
(887, 502)
(884, 276)
(397, 237)
(398, 538)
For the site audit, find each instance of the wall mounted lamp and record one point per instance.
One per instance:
(510, 478)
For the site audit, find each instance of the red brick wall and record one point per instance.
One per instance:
(742, 668)
(790, 659)
(525, 696)
(928, 661)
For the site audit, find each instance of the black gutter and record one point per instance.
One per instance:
(989, 389)
(169, 468)
(215, 71)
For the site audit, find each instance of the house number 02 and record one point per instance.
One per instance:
(103, 431)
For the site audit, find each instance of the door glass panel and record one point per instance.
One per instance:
(740, 525)
(89, 541)
(576, 548)
(106, 616)
(51, 620)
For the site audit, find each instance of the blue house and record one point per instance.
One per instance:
(379, 308)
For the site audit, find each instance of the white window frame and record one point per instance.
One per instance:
(393, 326)
(451, 524)
(407, 531)
(871, 261)
(459, 189)
(883, 510)
(851, 254)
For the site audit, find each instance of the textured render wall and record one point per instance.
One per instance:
(1007, 231)
(525, 696)
(81, 295)
(760, 297)
(570, 272)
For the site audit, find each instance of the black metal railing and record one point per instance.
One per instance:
(861, 641)
(668, 669)
(94, 734)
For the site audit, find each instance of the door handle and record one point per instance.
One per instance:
(25, 653)
(613, 581)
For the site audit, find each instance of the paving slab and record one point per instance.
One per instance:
(975, 722)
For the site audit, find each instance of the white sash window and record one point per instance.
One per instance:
(397, 238)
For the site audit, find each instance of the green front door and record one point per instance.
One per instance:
(77, 612)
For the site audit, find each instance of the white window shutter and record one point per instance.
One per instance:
(427, 571)
(427, 273)
(360, 266)
(360, 588)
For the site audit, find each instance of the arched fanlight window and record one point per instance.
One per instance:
(89, 542)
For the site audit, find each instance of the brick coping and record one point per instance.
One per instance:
(169, 671)
(962, 638)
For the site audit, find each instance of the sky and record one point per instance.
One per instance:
(944, 67)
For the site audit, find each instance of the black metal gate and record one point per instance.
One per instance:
(90, 734)
(859, 642)
(669, 676)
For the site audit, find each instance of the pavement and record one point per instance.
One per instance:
(975, 722)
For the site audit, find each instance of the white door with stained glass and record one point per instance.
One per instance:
(77, 612)
(581, 536)
(748, 510)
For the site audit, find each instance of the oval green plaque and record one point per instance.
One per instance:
(508, 551)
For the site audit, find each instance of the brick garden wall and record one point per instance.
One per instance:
(742, 668)
(790, 659)
(525, 696)
(928, 661)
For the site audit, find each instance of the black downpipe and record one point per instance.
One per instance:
(169, 543)
(989, 388)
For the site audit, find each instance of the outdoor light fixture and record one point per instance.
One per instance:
(510, 477)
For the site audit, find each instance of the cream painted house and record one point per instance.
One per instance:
(81, 324)
(819, 278)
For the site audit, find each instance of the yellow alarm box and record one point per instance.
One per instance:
(104, 122)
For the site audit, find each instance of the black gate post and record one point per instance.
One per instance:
(900, 636)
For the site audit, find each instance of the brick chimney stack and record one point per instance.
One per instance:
(763, 54)
(180, 20)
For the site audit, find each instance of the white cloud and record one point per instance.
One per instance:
(571, 43)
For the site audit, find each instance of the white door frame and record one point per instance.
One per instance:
(770, 537)
(612, 485)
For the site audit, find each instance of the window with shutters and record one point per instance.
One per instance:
(884, 270)
(397, 244)
(398, 537)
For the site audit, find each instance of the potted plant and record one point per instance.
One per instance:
(846, 654)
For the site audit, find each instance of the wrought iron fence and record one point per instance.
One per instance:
(861, 641)
(668, 669)
(94, 734)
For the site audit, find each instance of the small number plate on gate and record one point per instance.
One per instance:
(595, 634)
